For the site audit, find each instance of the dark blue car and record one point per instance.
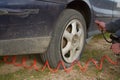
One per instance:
(57, 29)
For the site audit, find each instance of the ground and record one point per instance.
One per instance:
(96, 48)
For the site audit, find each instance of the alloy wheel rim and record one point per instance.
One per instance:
(72, 41)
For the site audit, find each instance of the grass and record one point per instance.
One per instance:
(97, 53)
(91, 51)
(7, 77)
(100, 36)
(24, 75)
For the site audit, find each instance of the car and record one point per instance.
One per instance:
(55, 29)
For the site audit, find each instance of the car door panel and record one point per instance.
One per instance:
(34, 25)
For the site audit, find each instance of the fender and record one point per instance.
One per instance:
(13, 7)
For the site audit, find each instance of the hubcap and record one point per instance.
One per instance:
(72, 41)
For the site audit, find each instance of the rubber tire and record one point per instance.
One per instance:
(53, 55)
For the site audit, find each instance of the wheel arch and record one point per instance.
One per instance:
(82, 7)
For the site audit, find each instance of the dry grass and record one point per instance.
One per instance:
(96, 48)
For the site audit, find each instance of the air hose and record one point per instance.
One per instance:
(13, 60)
(105, 37)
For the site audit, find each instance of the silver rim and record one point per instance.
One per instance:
(72, 41)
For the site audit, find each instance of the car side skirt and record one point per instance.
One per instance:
(24, 46)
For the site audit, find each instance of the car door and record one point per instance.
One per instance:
(21, 14)
(116, 9)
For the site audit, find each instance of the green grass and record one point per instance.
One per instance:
(100, 36)
(24, 75)
(7, 77)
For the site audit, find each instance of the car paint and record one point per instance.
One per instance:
(116, 9)
(34, 24)
(103, 10)
(26, 19)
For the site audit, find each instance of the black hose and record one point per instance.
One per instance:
(106, 38)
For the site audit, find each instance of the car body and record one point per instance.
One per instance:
(27, 26)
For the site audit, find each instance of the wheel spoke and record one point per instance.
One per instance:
(74, 28)
(68, 35)
(80, 32)
(66, 48)
(73, 53)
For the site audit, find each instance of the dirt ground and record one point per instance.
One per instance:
(96, 48)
